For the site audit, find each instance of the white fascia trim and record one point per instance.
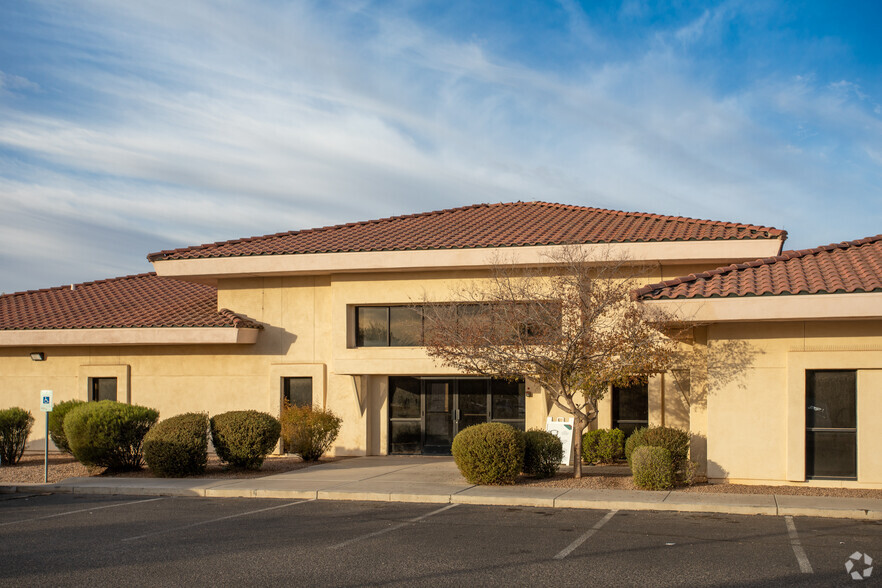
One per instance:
(133, 336)
(710, 252)
(782, 307)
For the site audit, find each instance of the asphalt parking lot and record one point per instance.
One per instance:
(68, 540)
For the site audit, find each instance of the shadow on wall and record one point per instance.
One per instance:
(716, 472)
(702, 370)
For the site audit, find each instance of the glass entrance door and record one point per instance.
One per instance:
(440, 416)
(831, 425)
(425, 414)
(630, 407)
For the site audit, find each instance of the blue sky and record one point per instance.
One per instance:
(127, 128)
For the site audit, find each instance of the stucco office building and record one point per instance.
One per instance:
(321, 316)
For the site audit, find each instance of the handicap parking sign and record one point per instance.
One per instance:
(46, 400)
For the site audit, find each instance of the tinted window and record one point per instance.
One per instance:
(405, 327)
(507, 399)
(103, 389)
(404, 398)
(298, 391)
(372, 326)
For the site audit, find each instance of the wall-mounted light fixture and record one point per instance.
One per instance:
(38, 356)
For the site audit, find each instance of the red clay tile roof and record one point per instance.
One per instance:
(145, 300)
(481, 225)
(850, 266)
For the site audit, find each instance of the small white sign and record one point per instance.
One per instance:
(563, 430)
(46, 400)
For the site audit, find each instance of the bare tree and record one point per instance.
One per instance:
(570, 326)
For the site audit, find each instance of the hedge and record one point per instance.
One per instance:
(108, 433)
(653, 468)
(489, 453)
(309, 431)
(56, 423)
(15, 427)
(603, 446)
(243, 438)
(543, 453)
(178, 446)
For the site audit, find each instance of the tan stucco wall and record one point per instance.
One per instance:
(756, 420)
(306, 326)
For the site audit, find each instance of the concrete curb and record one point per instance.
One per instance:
(769, 505)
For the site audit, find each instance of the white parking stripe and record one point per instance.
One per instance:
(569, 548)
(200, 523)
(393, 527)
(804, 565)
(64, 514)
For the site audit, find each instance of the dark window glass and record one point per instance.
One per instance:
(297, 391)
(404, 398)
(405, 327)
(830, 400)
(103, 389)
(831, 424)
(830, 454)
(630, 407)
(507, 400)
(405, 437)
(372, 326)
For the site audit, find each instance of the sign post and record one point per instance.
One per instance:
(46, 407)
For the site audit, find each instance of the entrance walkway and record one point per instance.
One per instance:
(437, 480)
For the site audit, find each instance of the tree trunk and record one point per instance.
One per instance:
(578, 426)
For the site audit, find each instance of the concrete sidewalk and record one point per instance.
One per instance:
(437, 480)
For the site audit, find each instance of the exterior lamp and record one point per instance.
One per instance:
(38, 356)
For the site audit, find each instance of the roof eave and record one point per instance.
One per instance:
(792, 307)
(711, 252)
(128, 336)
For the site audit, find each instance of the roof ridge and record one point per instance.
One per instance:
(72, 287)
(783, 256)
(750, 227)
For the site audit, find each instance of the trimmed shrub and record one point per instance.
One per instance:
(671, 438)
(633, 442)
(178, 446)
(603, 446)
(489, 453)
(108, 433)
(15, 426)
(309, 431)
(653, 468)
(56, 423)
(543, 453)
(243, 438)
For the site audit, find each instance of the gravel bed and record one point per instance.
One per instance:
(619, 478)
(30, 469)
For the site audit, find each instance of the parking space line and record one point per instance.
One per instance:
(393, 527)
(804, 565)
(217, 520)
(64, 514)
(572, 546)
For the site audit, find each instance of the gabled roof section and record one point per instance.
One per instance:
(141, 301)
(850, 266)
(481, 225)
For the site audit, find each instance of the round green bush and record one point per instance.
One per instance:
(671, 438)
(15, 427)
(543, 453)
(309, 431)
(489, 453)
(108, 433)
(652, 468)
(603, 446)
(243, 438)
(633, 442)
(56, 423)
(178, 446)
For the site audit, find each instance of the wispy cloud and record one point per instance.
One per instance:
(158, 124)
